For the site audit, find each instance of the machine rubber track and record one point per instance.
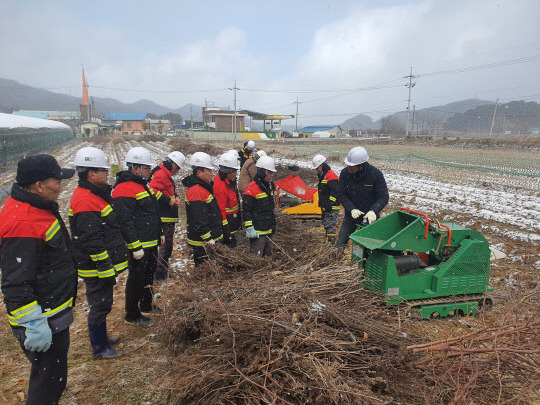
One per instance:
(480, 299)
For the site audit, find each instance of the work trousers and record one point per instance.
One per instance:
(329, 221)
(139, 284)
(99, 294)
(261, 246)
(348, 226)
(48, 375)
(165, 251)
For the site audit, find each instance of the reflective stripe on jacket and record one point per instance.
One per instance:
(258, 207)
(328, 190)
(162, 181)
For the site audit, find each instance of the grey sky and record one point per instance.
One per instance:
(340, 58)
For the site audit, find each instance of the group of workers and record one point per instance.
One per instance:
(131, 226)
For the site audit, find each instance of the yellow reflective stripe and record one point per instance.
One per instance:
(231, 209)
(232, 232)
(100, 256)
(210, 198)
(149, 243)
(54, 311)
(264, 232)
(332, 198)
(248, 223)
(134, 245)
(22, 311)
(141, 195)
(106, 211)
(159, 194)
(225, 222)
(206, 235)
(121, 266)
(107, 273)
(186, 200)
(261, 195)
(196, 242)
(336, 207)
(87, 273)
(55, 227)
(324, 181)
(168, 219)
(70, 212)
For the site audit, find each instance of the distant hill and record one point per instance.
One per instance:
(361, 122)
(15, 96)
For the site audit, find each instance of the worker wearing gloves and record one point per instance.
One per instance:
(362, 192)
(246, 152)
(100, 251)
(204, 221)
(163, 183)
(226, 195)
(138, 213)
(39, 278)
(249, 170)
(258, 208)
(328, 198)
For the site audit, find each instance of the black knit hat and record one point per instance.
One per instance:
(40, 167)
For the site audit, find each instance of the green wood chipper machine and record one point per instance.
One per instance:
(435, 269)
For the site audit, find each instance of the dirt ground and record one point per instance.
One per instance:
(139, 375)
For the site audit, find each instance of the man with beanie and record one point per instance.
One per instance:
(204, 224)
(362, 192)
(246, 152)
(138, 213)
(162, 182)
(226, 195)
(39, 278)
(328, 196)
(258, 208)
(99, 249)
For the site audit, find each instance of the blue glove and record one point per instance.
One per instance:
(38, 333)
(251, 233)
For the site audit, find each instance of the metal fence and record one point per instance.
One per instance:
(20, 141)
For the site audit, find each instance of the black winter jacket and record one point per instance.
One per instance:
(138, 211)
(36, 261)
(100, 250)
(328, 189)
(365, 190)
(202, 212)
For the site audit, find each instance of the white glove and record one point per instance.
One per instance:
(138, 254)
(371, 217)
(356, 213)
(162, 239)
(211, 242)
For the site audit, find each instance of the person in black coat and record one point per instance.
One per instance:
(362, 192)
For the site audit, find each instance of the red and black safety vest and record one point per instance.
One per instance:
(202, 212)
(35, 258)
(328, 190)
(258, 206)
(162, 182)
(100, 250)
(227, 198)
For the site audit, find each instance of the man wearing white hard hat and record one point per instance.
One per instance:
(258, 208)
(362, 192)
(246, 152)
(163, 183)
(138, 213)
(328, 198)
(204, 223)
(99, 249)
(226, 193)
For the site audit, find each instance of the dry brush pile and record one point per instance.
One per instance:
(295, 329)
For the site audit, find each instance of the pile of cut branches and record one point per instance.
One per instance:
(296, 329)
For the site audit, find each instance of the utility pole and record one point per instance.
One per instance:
(493, 120)
(191, 118)
(412, 122)
(410, 85)
(234, 122)
(296, 130)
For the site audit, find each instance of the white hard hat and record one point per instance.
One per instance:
(177, 157)
(234, 152)
(91, 157)
(318, 160)
(356, 156)
(266, 162)
(229, 160)
(201, 159)
(250, 145)
(139, 156)
(260, 153)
